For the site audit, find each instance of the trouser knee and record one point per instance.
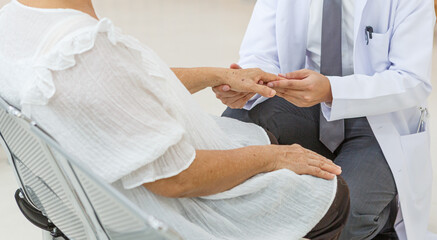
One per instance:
(332, 224)
(343, 200)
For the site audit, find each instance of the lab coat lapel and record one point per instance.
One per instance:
(360, 5)
(359, 9)
(292, 40)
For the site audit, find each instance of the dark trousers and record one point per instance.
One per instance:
(332, 224)
(365, 170)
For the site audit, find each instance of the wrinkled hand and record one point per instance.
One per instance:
(303, 88)
(243, 85)
(303, 161)
(232, 99)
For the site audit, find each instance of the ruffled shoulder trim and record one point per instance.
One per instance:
(61, 56)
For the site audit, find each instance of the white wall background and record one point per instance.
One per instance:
(185, 34)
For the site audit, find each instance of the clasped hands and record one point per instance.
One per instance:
(303, 88)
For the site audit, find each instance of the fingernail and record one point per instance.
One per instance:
(270, 85)
(226, 88)
(281, 75)
(273, 93)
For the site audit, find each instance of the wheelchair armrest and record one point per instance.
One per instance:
(35, 216)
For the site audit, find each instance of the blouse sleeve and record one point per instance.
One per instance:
(110, 111)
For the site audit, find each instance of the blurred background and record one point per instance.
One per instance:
(189, 33)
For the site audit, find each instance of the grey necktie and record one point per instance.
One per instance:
(331, 133)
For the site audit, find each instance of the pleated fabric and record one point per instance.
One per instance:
(116, 106)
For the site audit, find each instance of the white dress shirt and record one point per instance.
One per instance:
(314, 44)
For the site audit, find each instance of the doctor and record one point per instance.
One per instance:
(368, 64)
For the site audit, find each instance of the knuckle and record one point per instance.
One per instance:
(296, 146)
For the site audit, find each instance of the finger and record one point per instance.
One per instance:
(317, 172)
(325, 166)
(289, 98)
(295, 94)
(263, 90)
(301, 74)
(292, 94)
(246, 98)
(239, 103)
(219, 92)
(268, 77)
(296, 100)
(316, 155)
(235, 66)
(234, 97)
(218, 88)
(323, 162)
(221, 88)
(228, 95)
(289, 84)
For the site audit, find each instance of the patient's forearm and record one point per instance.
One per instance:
(196, 79)
(239, 80)
(214, 171)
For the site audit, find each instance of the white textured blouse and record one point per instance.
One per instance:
(111, 102)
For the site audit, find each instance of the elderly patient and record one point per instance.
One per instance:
(113, 103)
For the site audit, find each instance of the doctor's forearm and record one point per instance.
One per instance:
(389, 91)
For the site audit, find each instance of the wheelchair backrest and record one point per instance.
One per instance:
(81, 205)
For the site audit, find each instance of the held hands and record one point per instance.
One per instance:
(303, 88)
(302, 161)
(243, 84)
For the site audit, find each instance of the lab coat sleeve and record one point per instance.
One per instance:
(259, 49)
(406, 83)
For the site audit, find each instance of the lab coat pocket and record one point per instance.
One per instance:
(378, 47)
(417, 164)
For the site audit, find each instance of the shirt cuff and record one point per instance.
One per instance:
(255, 100)
(326, 110)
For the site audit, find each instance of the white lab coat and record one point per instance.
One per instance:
(391, 81)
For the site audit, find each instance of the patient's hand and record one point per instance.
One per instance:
(302, 161)
(232, 99)
(243, 84)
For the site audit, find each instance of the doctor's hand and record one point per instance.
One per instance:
(237, 98)
(303, 88)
